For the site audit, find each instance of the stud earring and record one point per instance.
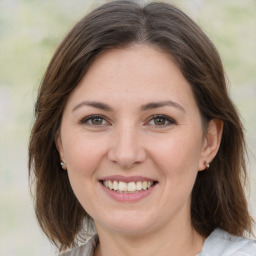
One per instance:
(63, 165)
(207, 165)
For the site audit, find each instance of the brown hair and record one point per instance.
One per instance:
(218, 198)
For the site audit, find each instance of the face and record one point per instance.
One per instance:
(132, 140)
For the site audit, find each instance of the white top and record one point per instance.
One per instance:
(218, 243)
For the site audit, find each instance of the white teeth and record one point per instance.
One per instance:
(115, 185)
(110, 184)
(139, 186)
(145, 185)
(124, 187)
(131, 187)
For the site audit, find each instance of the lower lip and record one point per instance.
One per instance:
(128, 197)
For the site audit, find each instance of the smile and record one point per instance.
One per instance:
(127, 187)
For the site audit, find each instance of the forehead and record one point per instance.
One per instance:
(138, 72)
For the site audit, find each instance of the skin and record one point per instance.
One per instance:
(127, 139)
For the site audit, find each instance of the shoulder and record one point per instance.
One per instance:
(86, 249)
(222, 243)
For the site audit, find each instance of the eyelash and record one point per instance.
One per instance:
(86, 120)
(170, 121)
(167, 119)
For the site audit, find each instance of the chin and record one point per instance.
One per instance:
(130, 224)
(129, 229)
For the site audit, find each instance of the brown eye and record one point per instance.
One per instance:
(159, 121)
(94, 120)
(97, 121)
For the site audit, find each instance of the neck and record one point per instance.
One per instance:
(182, 240)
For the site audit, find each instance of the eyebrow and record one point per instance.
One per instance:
(153, 105)
(94, 104)
(148, 106)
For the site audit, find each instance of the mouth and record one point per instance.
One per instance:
(128, 187)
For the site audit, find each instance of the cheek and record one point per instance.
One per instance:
(178, 156)
(83, 159)
(82, 155)
(178, 161)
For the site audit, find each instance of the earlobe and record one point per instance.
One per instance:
(211, 143)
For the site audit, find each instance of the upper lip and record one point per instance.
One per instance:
(126, 178)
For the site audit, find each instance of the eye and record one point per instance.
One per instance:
(161, 120)
(94, 120)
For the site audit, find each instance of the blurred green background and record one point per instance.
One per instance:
(30, 31)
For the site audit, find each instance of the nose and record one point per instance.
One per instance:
(126, 148)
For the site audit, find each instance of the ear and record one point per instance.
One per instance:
(59, 146)
(211, 143)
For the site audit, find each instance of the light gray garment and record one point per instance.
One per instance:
(219, 243)
(86, 249)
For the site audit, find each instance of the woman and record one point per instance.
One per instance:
(136, 133)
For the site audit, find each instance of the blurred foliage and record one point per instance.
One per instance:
(30, 31)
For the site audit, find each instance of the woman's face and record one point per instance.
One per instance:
(132, 140)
